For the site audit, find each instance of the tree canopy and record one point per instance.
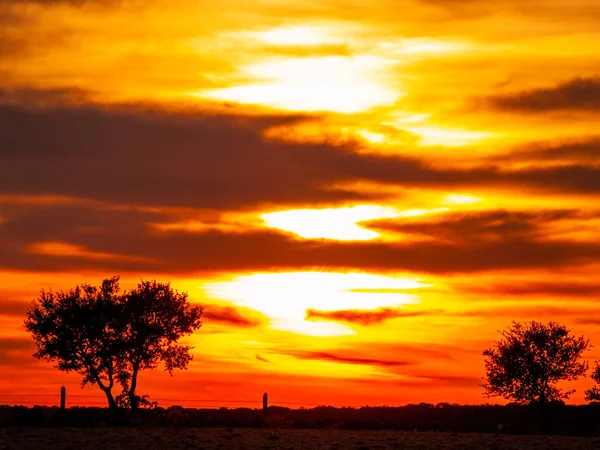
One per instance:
(76, 330)
(109, 337)
(531, 359)
(153, 318)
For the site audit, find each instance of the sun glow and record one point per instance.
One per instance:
(340, 224)
(331, 83)
(297, 35)
(285, 297)
(460, 199)
(371, 136)
(425, 47)
(336, 223)
(448, 137)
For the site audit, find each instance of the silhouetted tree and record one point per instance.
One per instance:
(593, 394)
(532, 358)
(154, 317)
(110, 337)
(76, 331)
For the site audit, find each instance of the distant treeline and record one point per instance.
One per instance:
(510, 419)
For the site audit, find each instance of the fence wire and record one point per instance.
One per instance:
(94, 400)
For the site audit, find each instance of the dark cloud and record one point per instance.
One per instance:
(489, 246)
(362, 317)
(415, 351)
(469, 227)
(138, 156)
(577, 94)
(227, 315)
(15, 351)
(143, 156)
(566, 153)
(45, 98)
(453, 380)
(589, 320)
(154, 157)
(551, 288)
(344, 358)
(261, 359)
(12, 308)
(49, 3)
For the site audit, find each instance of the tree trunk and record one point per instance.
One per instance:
(544, 414)
(133, 400)
(107, 389)
(112, 404)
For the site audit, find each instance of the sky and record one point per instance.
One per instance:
(360, 193)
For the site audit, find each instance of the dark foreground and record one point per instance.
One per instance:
(226, 438)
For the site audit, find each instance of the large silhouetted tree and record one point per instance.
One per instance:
(593, 394)
(154, 318)
(76, 330)
(527, 364)
(109, 337)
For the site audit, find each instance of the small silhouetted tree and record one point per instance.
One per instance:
(593, 394)
(76, 331)
(526, 365)
(154, 318)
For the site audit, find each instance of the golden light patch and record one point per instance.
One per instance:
(285, 297)
(425, 47)
(297, 35)
(336, 223)
(330, 83)
(371, 136)
(341, 224)
(448, 137)
(459, 199)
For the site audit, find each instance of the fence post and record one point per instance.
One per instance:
(265, 402)
(63, 398)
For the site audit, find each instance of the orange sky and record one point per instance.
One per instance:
(361, 193)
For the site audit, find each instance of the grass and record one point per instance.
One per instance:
(266, 439)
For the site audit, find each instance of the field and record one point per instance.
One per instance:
(264, 439)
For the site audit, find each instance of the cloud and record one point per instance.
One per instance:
(50, 3)
(227, 315)
(174, 159)
(564, 288)
(496, 240)
(15, 351)
(155, 157)
(344, 358)
(452, 380)
(588, 320)
(260, 358)
(482, 226)
(362, 317)
(13, 307)
(587, 151)
(577, 94)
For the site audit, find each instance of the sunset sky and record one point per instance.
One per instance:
(360, 193)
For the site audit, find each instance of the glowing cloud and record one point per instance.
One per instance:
(62, 249)
(285, 297)
(449, 137)
(341, 224)
(371, 136)
(331, 83)
(425, 47)
(336, 223)
(297, 35)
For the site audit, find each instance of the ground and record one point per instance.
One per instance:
(265, 439)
